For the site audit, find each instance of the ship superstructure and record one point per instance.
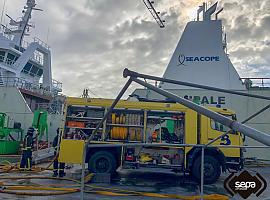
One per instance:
(201, 57)
(26, 82)
(26, 65)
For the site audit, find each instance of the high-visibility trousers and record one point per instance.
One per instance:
(58, 167)
(26, 160)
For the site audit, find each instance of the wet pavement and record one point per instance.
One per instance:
(150, 180)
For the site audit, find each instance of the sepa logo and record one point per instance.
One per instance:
(245, 184)
(182, 59)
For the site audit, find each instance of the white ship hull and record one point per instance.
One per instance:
(15, 106)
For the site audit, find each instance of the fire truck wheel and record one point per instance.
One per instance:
(102, 162)
(212, 169)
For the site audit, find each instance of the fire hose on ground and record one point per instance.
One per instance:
(54, 189)
(51, 189)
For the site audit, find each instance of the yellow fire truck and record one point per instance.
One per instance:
(145, 123)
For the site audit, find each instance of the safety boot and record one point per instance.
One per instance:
(55, 174)
(62, 174)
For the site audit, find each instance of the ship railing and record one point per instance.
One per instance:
(4, 30)
(256, 82)
(26, 85)
(51, 108)
(7, 33)
(10, 61)
(57, 85)
(42, 43)
(7, 61)
(25, 44)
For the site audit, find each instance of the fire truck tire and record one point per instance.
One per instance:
(212, 169)
(102, 162)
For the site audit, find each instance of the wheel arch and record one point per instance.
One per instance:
(115, 151)
(211, 151)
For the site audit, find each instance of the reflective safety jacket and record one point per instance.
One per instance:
(55, 142)
(28, 142)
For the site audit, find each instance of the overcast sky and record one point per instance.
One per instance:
(92, 41)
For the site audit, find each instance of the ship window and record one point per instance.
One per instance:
(40, 72)
(34, 70)
(218, 126)
(2, 56)
(17, 47)
(10, 56)
(27, 67)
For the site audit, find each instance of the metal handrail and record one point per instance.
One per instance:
(52, 108)
(3, 30)
(40, 42)
(7, 61)
(127, 73)
(252, 82)
(57, 84)
(23, 84)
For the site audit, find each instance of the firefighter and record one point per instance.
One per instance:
(28, 143)
(155, 134)
(58, 168)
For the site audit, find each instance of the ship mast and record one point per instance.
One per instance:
(22, 27)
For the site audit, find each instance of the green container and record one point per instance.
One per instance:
(170, 126)
(40, 122)
(9, 147)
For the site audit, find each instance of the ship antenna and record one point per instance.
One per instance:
(48, 34)
(154, 13)
(3, 10)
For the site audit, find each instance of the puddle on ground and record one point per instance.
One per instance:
(159, 182)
